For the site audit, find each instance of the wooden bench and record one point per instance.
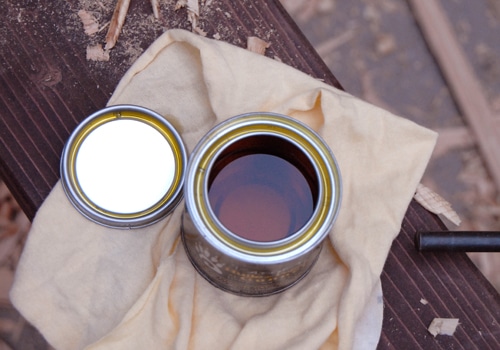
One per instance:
(47, 86)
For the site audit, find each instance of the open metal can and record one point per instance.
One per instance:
(262, 191)
(123, 167)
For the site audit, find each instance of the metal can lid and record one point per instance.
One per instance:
(123, 167)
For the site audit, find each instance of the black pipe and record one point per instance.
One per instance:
(458, 241)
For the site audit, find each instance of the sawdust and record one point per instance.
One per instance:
(257, 45)
(443, 326)
(90, 24)
(97, 53)
(140, 28)
(385, 44)
(436, 204)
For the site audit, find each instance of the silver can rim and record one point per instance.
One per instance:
(112, 220)
(261, 252)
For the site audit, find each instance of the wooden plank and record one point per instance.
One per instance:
(47, 87)
(435, 285)
(461, 79)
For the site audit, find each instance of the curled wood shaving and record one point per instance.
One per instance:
(193, 14)
(433, 202)
(443, 326)
(199, 31)
(155, 4)
(96, 53)
(257, 45)
(193, 7)
(90, 24)
(180, 4)
(116, 25)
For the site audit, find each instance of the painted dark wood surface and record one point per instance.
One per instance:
(419, 287)
(47, 86)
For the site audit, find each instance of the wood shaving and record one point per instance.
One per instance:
(194, 7)
(199, 31)
(90, 24)
(180, 4)
(453, 138)
(386, 44)
(97, 53)
(155, 4)
(423, 301)
(306, 10)
(371, 14)
(116, 24)
(443, 326)
(193, 14)
(257, 45)
(326, 6)
(328, 46)
(433, 202)
(293, 6)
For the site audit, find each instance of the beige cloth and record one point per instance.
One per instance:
(87, 286)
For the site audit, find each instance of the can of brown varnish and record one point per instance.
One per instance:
(262, 192)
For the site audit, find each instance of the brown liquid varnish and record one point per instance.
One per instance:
(261, 197)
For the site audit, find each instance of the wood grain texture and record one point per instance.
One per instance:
(47, 86)
(449, 285)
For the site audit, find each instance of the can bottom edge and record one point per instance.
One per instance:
(240, 293)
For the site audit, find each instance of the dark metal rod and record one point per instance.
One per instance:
(458, 241)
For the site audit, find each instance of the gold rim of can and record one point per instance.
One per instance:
(236, 128)
(109, 218)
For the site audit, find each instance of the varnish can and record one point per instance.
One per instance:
(123, 167)
(262, 191)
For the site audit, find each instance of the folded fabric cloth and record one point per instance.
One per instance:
(87, 286)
